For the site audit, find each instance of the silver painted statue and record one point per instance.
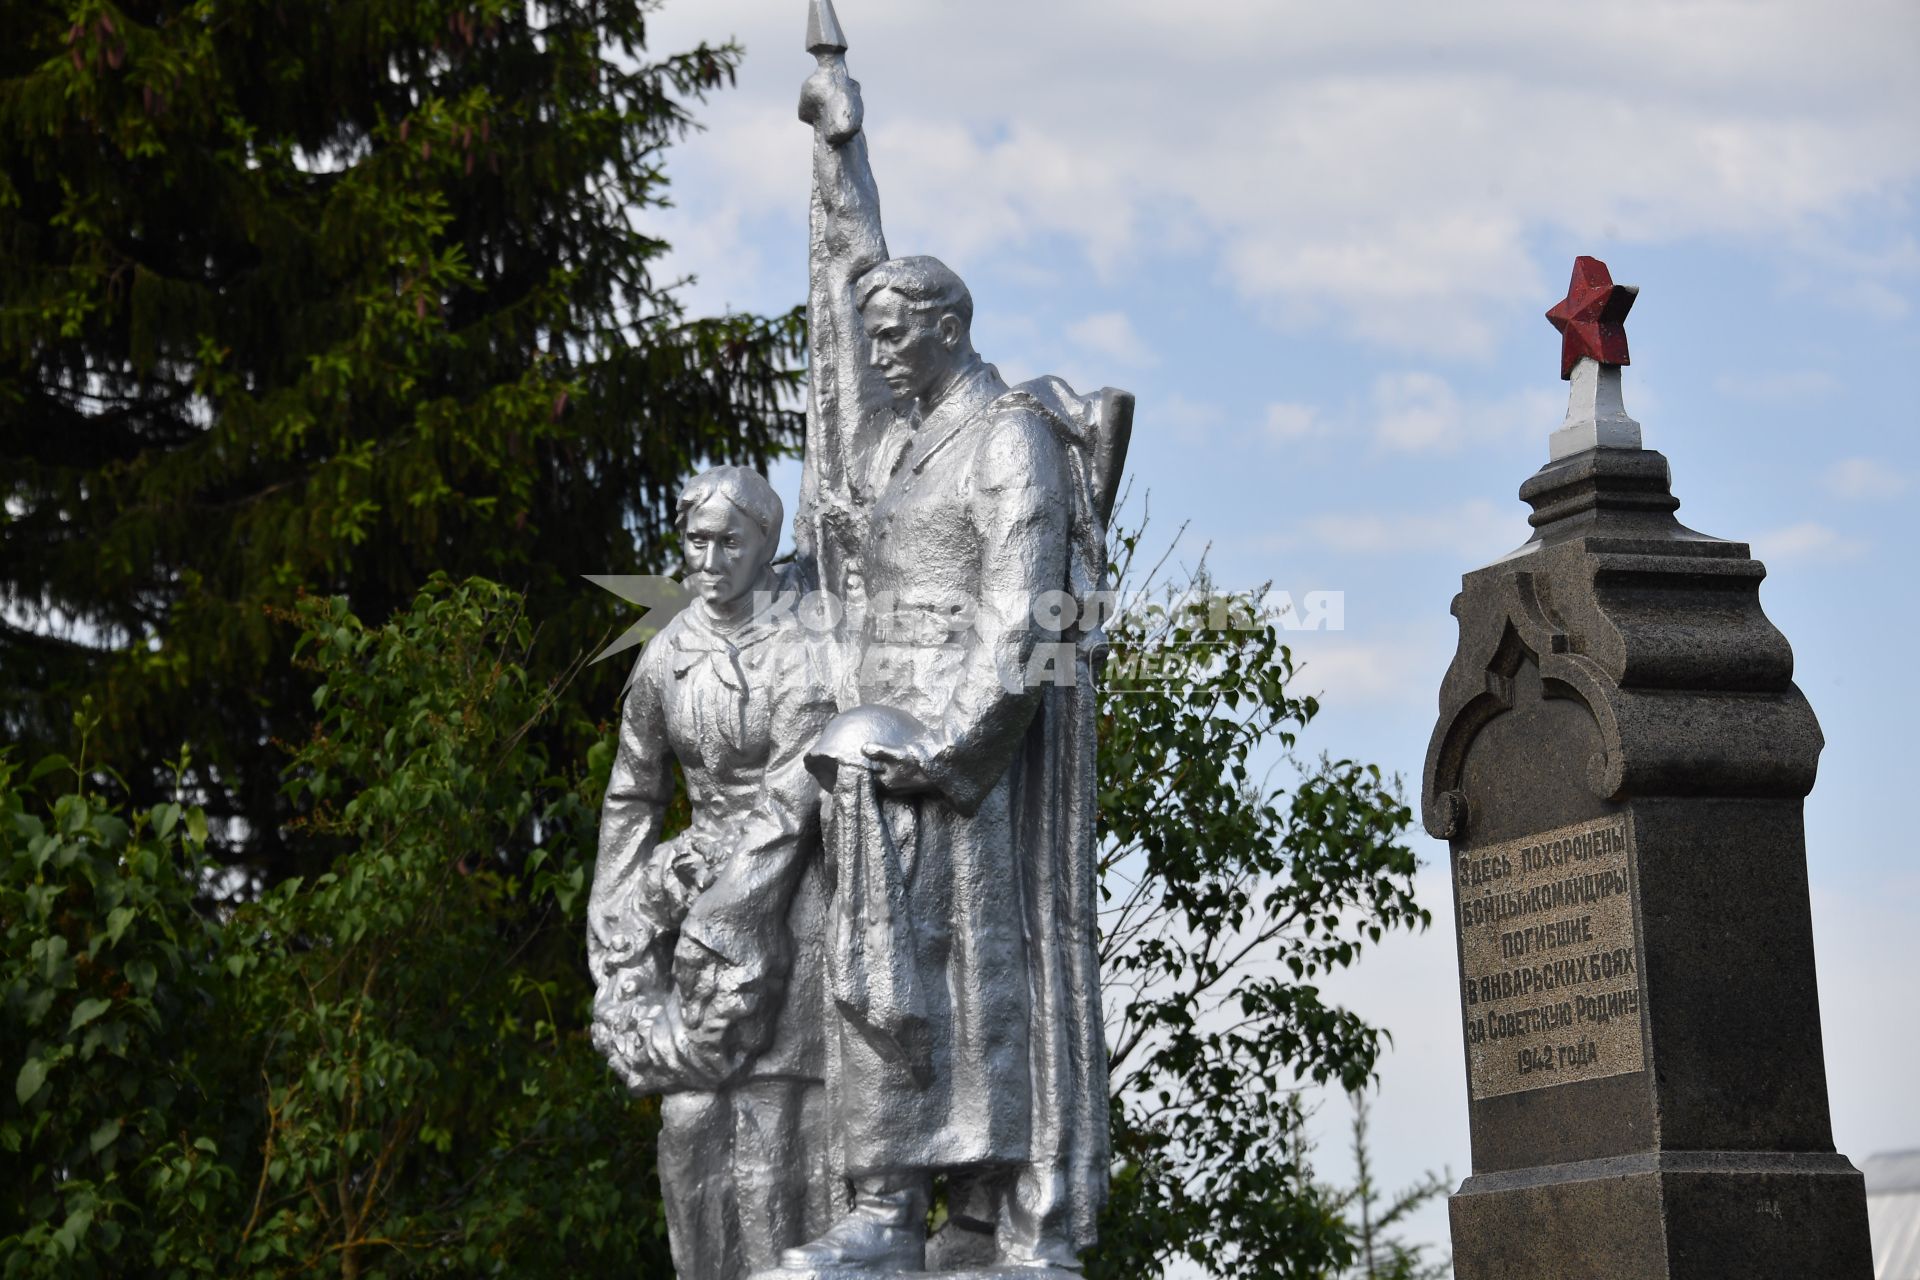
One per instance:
(892, 892)
(706, 947)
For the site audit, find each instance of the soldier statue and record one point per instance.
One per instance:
(965, 523)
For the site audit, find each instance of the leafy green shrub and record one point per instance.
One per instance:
(111, 975)
(380, 1071)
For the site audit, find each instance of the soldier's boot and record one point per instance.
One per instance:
(1032, 1234)
(885, 1231)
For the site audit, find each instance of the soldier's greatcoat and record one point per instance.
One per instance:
(996, 1058)
(965, 1031)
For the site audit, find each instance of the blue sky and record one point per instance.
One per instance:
(1317, 241)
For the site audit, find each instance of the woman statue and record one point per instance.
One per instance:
(706, 947)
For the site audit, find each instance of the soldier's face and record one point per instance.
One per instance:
(910, 346)
(725, 550)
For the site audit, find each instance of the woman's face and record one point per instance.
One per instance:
(725, 552)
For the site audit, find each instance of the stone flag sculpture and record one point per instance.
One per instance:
(869, 969)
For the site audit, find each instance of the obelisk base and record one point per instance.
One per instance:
(1677, 1215)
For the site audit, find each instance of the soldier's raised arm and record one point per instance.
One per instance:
(848, 241)
(846, 411)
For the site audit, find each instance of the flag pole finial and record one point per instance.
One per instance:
(823, 29)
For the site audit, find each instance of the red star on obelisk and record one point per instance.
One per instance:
(1592, 317)
(1593, 346)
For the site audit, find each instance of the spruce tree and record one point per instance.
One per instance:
(320, 298)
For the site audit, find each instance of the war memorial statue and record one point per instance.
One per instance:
(867, 974)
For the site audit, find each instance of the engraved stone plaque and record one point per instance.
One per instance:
(1549, 958)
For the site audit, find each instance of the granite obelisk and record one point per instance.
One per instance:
(1619, 766)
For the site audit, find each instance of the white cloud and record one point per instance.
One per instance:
(1856, 277)
(1420, 412)
(1187, 419)
(724, 267)
(1416, 412)
(1385, 169)
(1355, 673)
(1287, 422)
(1865, 479)
(1474, 530)
(1807, 541)
(1111, 334)
(1776, 384)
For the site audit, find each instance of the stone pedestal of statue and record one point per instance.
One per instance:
(1619, 766)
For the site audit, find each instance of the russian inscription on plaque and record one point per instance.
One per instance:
(1549, 959)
